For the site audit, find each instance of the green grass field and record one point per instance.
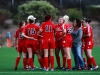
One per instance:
(8, 56)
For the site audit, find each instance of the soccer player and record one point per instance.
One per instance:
(58, 35)
(47, 30)
(89, 43)
(67, 43)
(30, 32)
(20, 47)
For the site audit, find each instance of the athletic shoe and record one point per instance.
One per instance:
(27, 66)
(63, 68)
(52, 69)
(46, 70)
(80, 68)
(90, 68)
(15, 68)
(68, 69)
(96, 67)
(32, 69)
(35, 67)
(41, 68)
(58, 68)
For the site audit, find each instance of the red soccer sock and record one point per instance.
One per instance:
(64, 62)
(24, 62)
(17, 61)
(89, 61)
(52, 62)
(93, 61)
(69, 66)
(49, 62)
(46, 62)
(30, 60)
(58, 61)
(41, 62)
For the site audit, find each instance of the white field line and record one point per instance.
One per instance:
(50, 72)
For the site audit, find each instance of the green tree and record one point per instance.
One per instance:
(36, 8)
(74, 14)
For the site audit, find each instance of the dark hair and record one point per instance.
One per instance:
(87, 20)
(20, 23)
(47, 17)
(31, 21)
(78, 23)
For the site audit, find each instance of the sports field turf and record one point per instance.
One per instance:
(8, 56)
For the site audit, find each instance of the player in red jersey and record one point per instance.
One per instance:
(47, 30)
(83, 44)
(58, 35)
(67, 42)
(30, 32)
(20, 45)
(89, 43)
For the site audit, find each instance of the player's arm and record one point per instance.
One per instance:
(31, 38)
(88, 33)
(16, 43)
(85, 36)
(63, 32)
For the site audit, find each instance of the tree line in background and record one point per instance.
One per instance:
(20, 9)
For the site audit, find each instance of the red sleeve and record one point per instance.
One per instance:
(16, 34)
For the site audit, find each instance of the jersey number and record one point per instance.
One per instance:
(20, 35)
(48, 28)
(31, 31)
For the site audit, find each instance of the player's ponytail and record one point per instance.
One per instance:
(20, 24)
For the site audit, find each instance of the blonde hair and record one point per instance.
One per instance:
(66, 19)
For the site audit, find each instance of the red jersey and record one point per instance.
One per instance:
(84, 31)
(48, 29)
(58, 31)
(68, 28)
(18, 35)
(31, 30)
(88, 30)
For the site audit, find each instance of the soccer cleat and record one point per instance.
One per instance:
(96, 67)
(46, 70)
(32, 69)
(79, 68)
(15, 68)
(52, 69)
(63, 68)
(58, 68)
(27, 66)
(41, 68)
(90, 69)
(35, 67)
(68, 69)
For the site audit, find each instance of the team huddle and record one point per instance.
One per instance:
(48, 37)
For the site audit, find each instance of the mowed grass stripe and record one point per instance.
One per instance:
(50, 72)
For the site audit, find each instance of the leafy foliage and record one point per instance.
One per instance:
(37, 9)
(74, 14)
(93, 12)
